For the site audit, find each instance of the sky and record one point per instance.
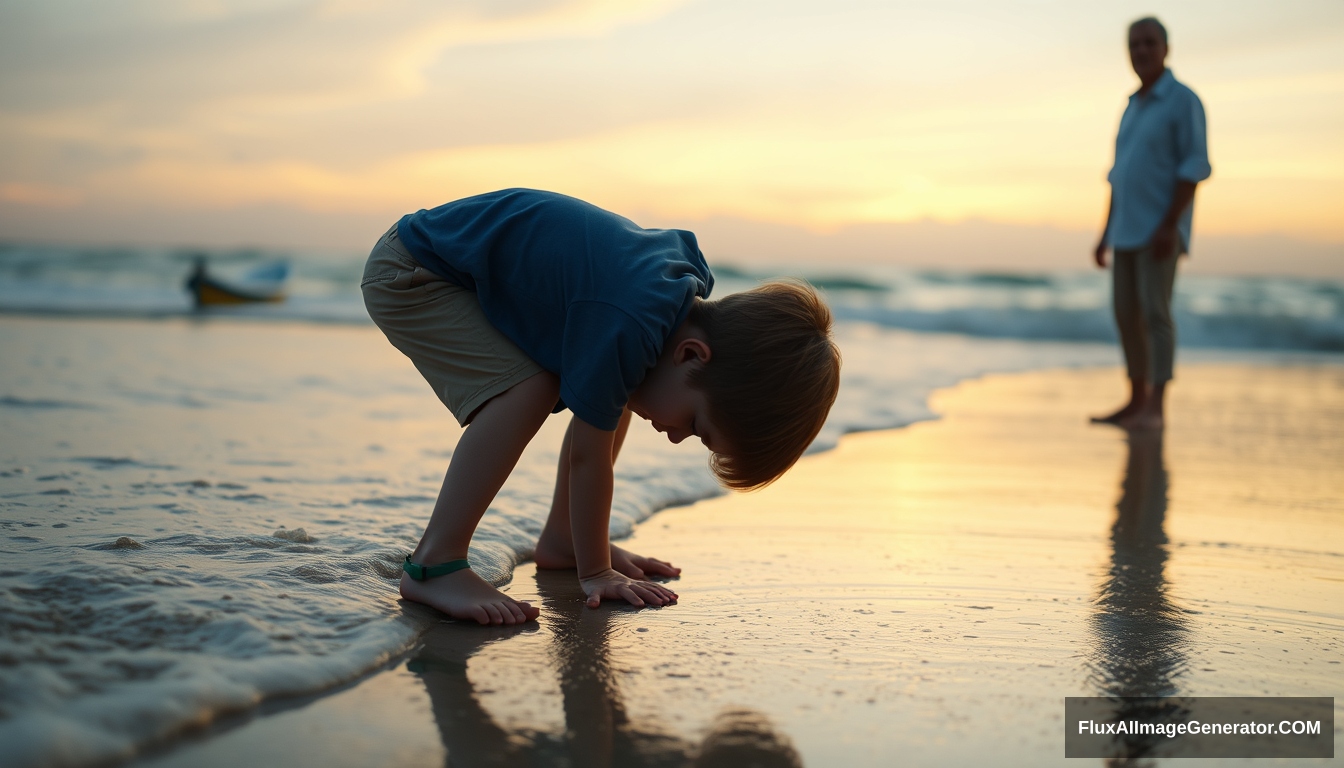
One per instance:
(876, 130)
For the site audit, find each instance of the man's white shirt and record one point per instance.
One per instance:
(1161, 141)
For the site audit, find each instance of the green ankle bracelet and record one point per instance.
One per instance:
(422, 572)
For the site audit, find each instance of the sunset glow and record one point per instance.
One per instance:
(672, 112)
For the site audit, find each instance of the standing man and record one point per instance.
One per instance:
(1160, 155)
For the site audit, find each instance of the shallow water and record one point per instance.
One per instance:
(198, 515)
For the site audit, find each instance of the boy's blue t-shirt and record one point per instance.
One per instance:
(587, 294)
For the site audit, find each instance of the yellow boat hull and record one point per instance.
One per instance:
(212, 294)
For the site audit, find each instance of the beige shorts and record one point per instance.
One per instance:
(439, 325)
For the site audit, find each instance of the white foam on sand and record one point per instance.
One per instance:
(195, 517)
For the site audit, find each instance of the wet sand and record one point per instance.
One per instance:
(923, 596)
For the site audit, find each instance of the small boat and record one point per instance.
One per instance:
(261, 284)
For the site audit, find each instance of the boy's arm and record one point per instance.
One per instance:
(590, 481)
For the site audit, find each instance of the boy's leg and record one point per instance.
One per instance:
(484, 457)
(555, 548)
(474, 370)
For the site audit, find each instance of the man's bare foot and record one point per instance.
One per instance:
(1143, 421)
(464, 595)
(1117, 417)
(623, 562)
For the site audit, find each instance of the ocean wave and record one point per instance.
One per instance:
(1225, 330)
(1210, 311)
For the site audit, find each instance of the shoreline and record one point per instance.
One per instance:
(829, 662)
(284, 467)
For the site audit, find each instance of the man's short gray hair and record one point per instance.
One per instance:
(1151, 20)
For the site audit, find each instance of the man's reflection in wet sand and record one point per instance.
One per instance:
(1139, 636)
(598, 731)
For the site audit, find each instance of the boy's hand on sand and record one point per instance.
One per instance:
(639, 566)
(610, 585)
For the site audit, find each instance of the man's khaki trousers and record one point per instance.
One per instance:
(1142, 287)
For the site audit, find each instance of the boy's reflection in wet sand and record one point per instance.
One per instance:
(598, 731)
(1139, 636)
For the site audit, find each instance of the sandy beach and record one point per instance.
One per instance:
(215, 461)
(922, 596)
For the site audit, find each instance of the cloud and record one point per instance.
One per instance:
(788, 111)
(45, 196)
(296, 55)
(848, 164)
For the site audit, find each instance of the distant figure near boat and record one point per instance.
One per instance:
(265, 283)
(1161, 154)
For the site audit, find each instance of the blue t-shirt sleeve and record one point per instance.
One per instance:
(604, 357)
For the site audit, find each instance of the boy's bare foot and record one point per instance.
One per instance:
(623, 562)
(464, 595)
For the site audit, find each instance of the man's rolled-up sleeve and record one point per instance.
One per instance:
(1192, 142)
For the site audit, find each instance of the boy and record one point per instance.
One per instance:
(519, 303)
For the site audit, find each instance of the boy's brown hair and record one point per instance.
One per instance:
(771, 379)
